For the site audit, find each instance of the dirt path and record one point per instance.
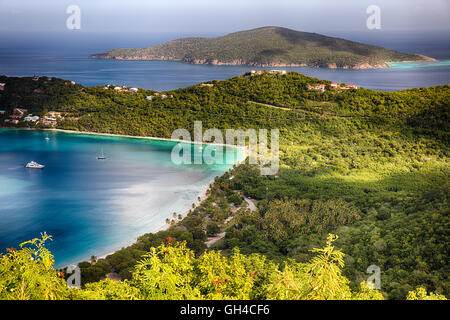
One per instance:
(251, 205)
(269, 105)
(214, 239)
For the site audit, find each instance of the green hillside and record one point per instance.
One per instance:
(268, 46)
(371, 167)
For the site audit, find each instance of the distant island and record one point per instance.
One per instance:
(269, 47)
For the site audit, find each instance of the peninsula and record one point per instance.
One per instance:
(269, 47)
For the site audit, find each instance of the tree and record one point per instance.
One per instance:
(212, 228)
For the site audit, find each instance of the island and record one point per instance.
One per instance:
(269, 47)
(370, 167)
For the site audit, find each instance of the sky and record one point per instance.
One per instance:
(221, 17)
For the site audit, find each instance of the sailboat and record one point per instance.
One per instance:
(102, 156)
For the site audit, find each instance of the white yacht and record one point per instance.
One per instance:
(102, 156)
(34, 165)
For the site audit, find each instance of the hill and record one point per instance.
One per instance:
(371, 167)
(268, 46)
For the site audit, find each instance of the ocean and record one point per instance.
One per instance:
(66, 55)
(91, 206)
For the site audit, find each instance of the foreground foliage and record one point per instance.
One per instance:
(171, 271)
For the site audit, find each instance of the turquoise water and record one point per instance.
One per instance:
(414, 65)
(91, 207)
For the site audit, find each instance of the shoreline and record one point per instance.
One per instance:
(361, 66)
(164, 227)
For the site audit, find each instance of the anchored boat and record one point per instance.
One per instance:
(34, 165)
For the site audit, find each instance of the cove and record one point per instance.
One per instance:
(91, 206)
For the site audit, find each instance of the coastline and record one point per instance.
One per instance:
(164, 227)
(360, 66)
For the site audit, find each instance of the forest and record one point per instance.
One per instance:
(370, 167)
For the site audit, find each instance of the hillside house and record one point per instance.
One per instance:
(54, 114)
(47, 121)
(2, 86)
(31, 118)
(277, 72)
(19, 112)
(320, 87)
(335, 85)
(13, 121)
(133, 90)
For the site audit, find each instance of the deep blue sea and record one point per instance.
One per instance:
(66, 55)
(91, 206)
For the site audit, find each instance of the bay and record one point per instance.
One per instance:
(91, 206)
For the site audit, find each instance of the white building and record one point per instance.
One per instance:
(277, 71)
(134, 90)
(2, 86)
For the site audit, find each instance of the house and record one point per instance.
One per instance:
(2, 112)
(2, 86)
(19, 112)
(258, 73)
(335, 85)
(118, 88)
(13, 121)
(352, 86)
(31, 118)
(205, 85)
(72, 82)
(133, 90)
(320, 87)
(150, 98)
(54, 114)
(49, 121)
(277, 72)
